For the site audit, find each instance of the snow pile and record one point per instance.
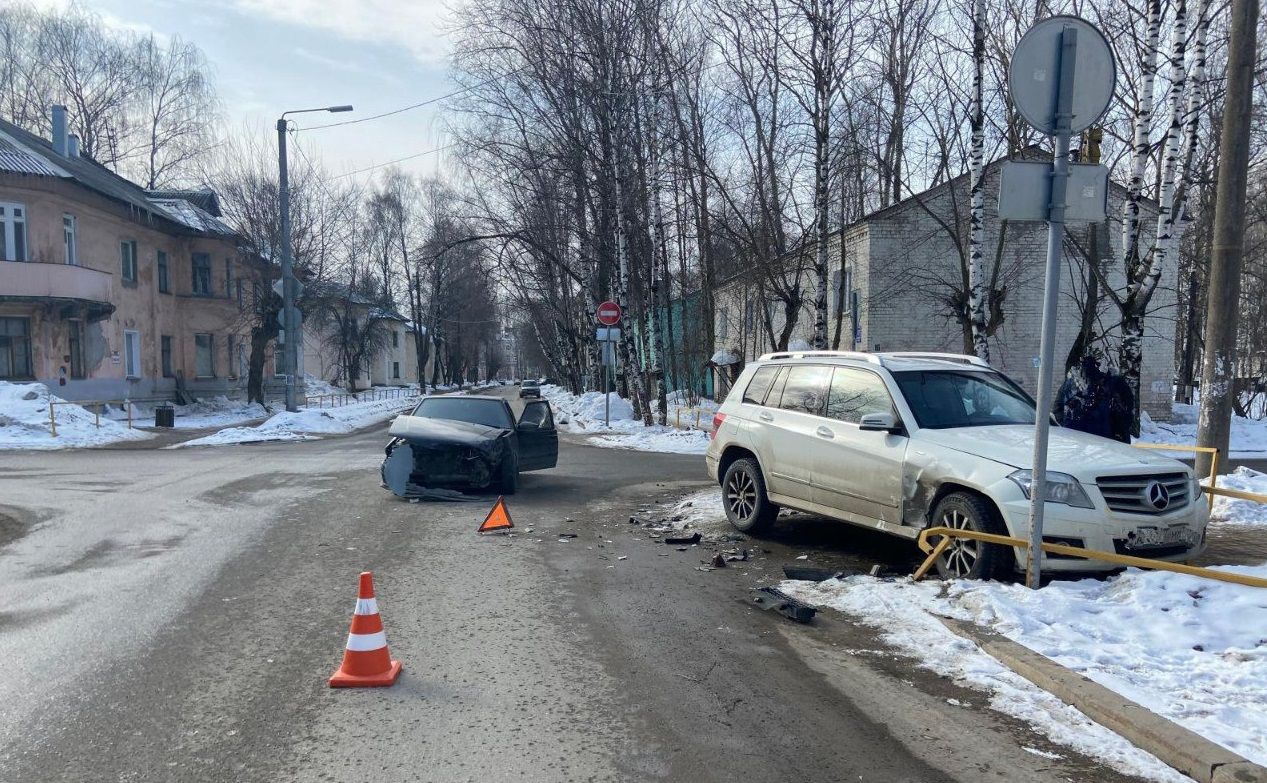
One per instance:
(314, 386)
(1192, 650)
(1249, 436)
(700, 510)
(584, 414)
(310, 422)
(207, 413)
(24, 421)
(1232, 511)
(799, 345)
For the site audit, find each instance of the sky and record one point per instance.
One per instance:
(271, 56)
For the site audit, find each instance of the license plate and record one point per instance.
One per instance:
(1150, 537)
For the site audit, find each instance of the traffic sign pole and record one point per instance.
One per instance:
(1079, 58)
(608, 314)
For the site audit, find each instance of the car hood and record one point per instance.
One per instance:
(421, 430)
(1068, 451)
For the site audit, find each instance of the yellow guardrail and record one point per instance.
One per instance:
(96, 405)
(946, 534)
(703, 419)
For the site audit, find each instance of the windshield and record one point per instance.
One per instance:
(490, 413)
(944, 399)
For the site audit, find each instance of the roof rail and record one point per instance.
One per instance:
(858, 355)
(958, 358)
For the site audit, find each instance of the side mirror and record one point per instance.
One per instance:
(878, 422)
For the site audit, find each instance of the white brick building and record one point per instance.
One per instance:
(897, 263)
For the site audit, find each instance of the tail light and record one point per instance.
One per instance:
(718, 418)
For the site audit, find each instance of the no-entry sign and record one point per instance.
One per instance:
(609, 313)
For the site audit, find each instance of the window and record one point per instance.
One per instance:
(68, 239)
(127, 260)
(166, 351)
(132, 354)
(204, 356)
(759, 385)
(15, 348)
(241, 293)
(201, 274)
(164, 281)
(12, 232)
(723, 326)
(231, 341)
(806, 389)
(944, 399)
(395, 369)
(395, 341)
(228, 279)
(855, 393)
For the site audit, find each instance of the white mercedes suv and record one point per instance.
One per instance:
(902, 441)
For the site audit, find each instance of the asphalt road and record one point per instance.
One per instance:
(174, 615)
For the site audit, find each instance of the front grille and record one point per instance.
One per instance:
(1137, 494)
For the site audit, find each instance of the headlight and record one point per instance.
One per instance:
(1061, 488)
(1196, 487)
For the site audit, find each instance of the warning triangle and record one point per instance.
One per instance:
(498, 518)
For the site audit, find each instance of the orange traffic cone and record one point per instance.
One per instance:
(366, 662)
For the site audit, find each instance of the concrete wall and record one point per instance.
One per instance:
(139, 306)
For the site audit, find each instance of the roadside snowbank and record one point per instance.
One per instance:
(584, 414)
(1192, 650)
(1249, 436)
(1231, 511)
(309, 423)
(24, 422)
(204, 414)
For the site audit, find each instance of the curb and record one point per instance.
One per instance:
(1186, 751)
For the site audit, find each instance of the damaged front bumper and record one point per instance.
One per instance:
(414, 468)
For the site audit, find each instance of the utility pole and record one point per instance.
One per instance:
(289, 315)
(1223, 287)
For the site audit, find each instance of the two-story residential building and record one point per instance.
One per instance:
(108, 291)
(893, 271)
(391, 355)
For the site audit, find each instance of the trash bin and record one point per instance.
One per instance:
(164, 416)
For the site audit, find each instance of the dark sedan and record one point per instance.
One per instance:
(468, 443)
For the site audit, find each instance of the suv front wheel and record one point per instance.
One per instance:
(743, 495)
(967, 558)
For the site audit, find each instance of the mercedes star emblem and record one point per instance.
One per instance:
(1157, 495)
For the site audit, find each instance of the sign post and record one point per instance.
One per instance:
(608, 315)
(1060, 79)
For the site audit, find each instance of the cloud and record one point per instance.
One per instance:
(347, 66)
(415, 25)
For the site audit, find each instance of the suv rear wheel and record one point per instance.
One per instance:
(743, 495)
(967, 558)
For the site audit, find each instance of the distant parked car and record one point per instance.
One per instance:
(529, 389)
(898, 442)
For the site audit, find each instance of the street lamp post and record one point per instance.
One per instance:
(290, 317)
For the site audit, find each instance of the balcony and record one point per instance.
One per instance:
(78, 288)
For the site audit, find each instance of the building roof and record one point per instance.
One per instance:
(22, 152)
(205, 199)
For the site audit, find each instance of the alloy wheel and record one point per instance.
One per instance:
(963, 553)
(741, 494)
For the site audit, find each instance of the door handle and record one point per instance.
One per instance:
(765, 416)
(825, 432)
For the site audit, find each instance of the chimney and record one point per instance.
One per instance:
(59, 130)
(72, 145)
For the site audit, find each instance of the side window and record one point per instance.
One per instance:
(855, 393)
(537, 415)
(806, 389)
(759, 385)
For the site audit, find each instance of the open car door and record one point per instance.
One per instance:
(538, 440)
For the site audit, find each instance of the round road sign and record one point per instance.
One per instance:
(609, 313)
(1033, 76)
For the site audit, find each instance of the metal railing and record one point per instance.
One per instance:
(700, 417)
(947, 535)
(340, 399)
(96, 405)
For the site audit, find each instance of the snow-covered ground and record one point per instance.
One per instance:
(584, 414)
(310, 422)
(203, 414)
(1190, 649)
(1233, 511)
(24, 421)
(1249, 436)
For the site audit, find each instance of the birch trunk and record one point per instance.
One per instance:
(977, 304)
(1140, 144)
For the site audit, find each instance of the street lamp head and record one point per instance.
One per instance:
(338, 108)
